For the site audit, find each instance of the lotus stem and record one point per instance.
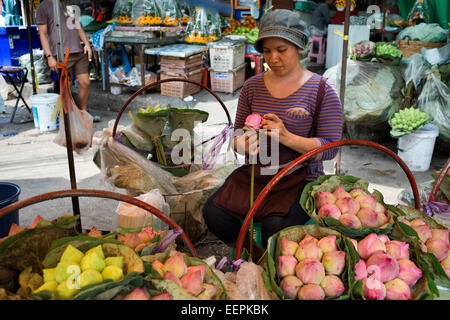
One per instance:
(252, 186)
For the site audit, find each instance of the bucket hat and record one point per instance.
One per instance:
(284, 24)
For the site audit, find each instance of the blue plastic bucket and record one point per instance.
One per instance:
(9, 193)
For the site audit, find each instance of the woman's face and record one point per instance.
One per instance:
(281, 55)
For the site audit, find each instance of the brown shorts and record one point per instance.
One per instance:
(78, 63)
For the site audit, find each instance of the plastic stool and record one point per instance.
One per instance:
(318, 49)
(258, 59)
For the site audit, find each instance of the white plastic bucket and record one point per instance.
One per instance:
(416, 148)
(42, 106)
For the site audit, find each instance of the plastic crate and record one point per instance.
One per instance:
(182, 70)
(229, 81)
(182, 62)
(226, 55)
(14, 43)
(180, 89)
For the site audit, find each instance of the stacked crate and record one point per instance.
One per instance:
(186, 68)
(227, 72)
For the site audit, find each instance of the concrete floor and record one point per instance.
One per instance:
(30, 159)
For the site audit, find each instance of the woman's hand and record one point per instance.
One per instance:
(271, 122)
(247, 143)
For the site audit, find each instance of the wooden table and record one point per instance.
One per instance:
(140, 42)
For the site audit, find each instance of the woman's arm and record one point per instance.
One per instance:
(329, 127)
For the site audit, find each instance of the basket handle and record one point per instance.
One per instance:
(439, 180)
(262, 195)
(148, 86)
(98, 194)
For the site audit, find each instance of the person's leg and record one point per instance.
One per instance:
(272, 224)
(223, 225)
(83, 90)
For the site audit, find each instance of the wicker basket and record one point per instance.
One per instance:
(408, 48)
(181, 62)
(180, 89)
(227, 82)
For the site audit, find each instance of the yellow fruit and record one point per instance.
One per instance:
(98, 250)
(88, 277)
(63, 292)
(49, 274)
(48, 285)
(64, 270)
(92, 261)
(71, 254)
(112, 272)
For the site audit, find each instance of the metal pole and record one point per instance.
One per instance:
(29, 19)
(343, 71)
(60, 56)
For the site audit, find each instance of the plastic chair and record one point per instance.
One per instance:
(318, 49)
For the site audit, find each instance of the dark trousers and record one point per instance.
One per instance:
(226, 227)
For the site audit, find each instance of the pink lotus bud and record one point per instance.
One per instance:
(446, 265)
(348, 205)
(350, 221)
(170, 276)
(440, 234)
(308, 249)
(423, 231)
(369, 245)
(379, 208)
(397, 249)
(323, 198)
(192, 283)
(328, 243)
(311, 292)
(382, 219)
(286, 265)
(201, 268)
(360, 270)
(164, 296)
(334, 262)
(356, 192)
(290, 286)
(367, 201)
(374, 289)
(332, 286)
(423, 247)
(176, 265)
(138, 294)
(158, 266)
(329, 210)
(417, 222)
(384, 238)
(397, 289)
(288, 247)
(210, 290)
(382, 267)
(408, 272)
(368, 217)
(439, 248)
(308, 238)
(340, 193)
(254, 121)
(310, 271)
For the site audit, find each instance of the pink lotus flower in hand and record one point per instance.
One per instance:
(254, 121)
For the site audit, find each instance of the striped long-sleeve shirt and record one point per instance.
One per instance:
(255, 98)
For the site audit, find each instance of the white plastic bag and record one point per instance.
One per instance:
(130, 216)
(3, 88)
